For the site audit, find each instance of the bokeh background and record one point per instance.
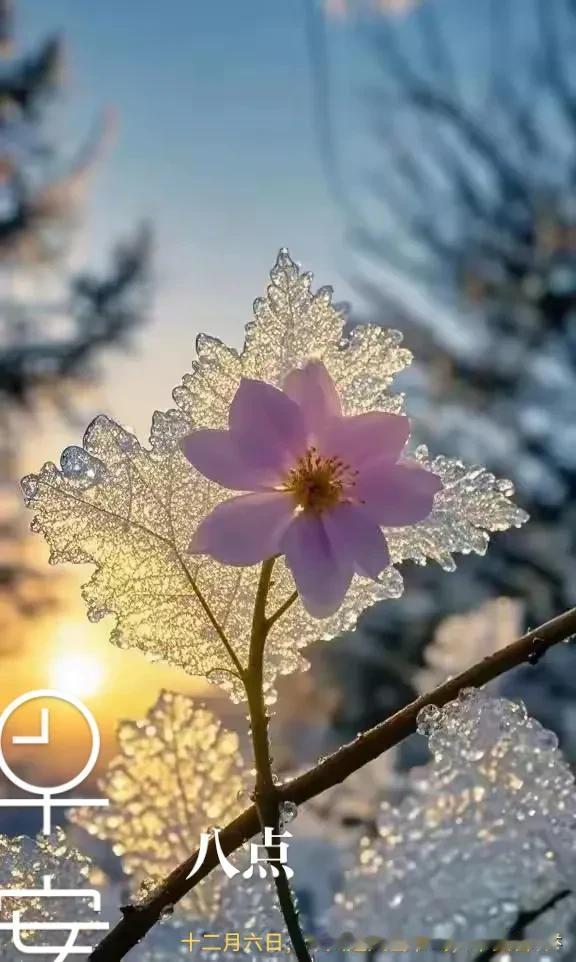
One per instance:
(421, 158)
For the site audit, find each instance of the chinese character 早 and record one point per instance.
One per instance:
(43, 797)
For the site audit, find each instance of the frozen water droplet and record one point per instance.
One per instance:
(29, 486)
(428, 719)
(128, 442)
(542, 738)
(284, 259)
(80, 466)
(469, 695)
(324, 294)
(145, 889)
(96, 614)
(166, 913)
(289, 811)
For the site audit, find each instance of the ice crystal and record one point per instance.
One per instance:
(131, 510)
(488, 828)
(178, 773)
(472, 503)
(24, 862)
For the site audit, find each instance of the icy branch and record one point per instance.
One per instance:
(530, 648)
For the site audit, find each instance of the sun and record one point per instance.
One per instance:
(76, 665)
(77, 673)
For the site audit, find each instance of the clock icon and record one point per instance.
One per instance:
(46, 794)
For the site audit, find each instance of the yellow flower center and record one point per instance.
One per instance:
(318, 482)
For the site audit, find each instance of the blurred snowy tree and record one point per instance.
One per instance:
(53, 322)
(469, 246)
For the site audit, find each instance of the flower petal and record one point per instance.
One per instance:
(397, 494)
(322, 577)
(365, 438)
(267, 427)
(244, 530)
(313, 390)
(215, 455)
(355, 535)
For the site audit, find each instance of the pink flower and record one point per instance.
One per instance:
(322, 485)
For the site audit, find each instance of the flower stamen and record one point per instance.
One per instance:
(319, 482)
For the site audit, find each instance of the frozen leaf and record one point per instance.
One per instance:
(486, 829)
(178, 773)
(131, 510)
(135, 527)
(24, 862)
(472, 503)
(292, 324)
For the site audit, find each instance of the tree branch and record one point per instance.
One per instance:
(282, 609)
(138, 920)
(517, 930)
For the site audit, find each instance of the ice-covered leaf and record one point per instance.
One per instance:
(472, 503)
(178, 773)
(486, 829)
(292, 324)
(24, 864)
(131, 510)
(136, 527)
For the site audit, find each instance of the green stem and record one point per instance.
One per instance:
(265, 792)
(282, 609)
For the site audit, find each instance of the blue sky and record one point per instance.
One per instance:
(217, 147)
